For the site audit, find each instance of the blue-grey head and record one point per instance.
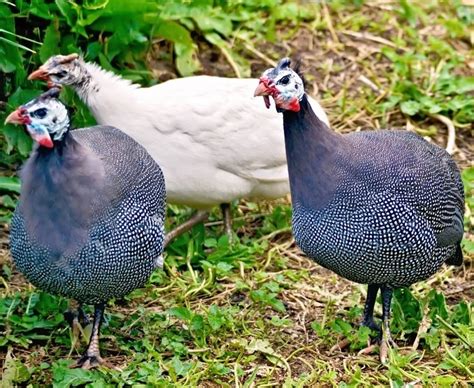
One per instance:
(45, 118)
(283, 84)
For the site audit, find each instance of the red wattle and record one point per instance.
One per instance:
(46, 142)
(294, 105)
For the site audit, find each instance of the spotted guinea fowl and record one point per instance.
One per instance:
(383, 208)
(212, 149)
(89, 223)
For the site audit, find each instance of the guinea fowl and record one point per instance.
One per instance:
(383, 208)
(212, 149)
(90, 221)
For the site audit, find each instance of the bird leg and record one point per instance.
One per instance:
(76, 315)
(77, 320)
(91, 357)
(71, 317)
(199, 216)
(226, 213)
(386, 341)
(368, 319)
(82, 316)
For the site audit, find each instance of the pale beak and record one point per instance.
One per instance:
(15, 117)
(262, 90)
(41, 74)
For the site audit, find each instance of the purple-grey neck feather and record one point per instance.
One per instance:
(314, 153)
(64, 192)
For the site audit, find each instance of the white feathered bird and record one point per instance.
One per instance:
(212, 139)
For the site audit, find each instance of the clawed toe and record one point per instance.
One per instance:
(368, 350)
(386, 343)
(382, 342)
(341, 345)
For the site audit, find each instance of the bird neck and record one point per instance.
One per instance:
(312, 151)
(97, 87)
(60, 146)
(60, 186)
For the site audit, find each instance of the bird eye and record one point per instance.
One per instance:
(39, 113)
(61, 74)
(285, 80)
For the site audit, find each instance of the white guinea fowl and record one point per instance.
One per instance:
(212, 139)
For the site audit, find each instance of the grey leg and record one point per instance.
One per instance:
(386, 340)
(200, 216)
(91, 357)
(368, 319)
(75, 315)
(83, 317)
(226, 213)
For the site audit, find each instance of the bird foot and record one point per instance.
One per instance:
(341, 345)
(386, 343)
(383, 342)
(368, 350)
(230, 236)
(89, 361)
(200, 216)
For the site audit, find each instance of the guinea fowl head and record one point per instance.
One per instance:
(44, 117)
(59, 70)
(283, 84)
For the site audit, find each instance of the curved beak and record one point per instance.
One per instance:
(16, 117)
(41, 74)
(262, 89)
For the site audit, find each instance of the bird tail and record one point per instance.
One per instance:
(457, 258)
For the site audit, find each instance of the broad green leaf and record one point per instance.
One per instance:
(187, 62)
(68, 11)
(10, 54)
(17, 138)
(437, 305)
(40, 8)
(14, 372)
(461, 312)
(181, 368)
(207, 22)
(215, 318)
(445, 381)
(10, 184)
(51, 41)
(7, 202)
(64, 376)
(181, 313)
(410, 108)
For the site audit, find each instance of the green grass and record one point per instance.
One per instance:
(259, 313)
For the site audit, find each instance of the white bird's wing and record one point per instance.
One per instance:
(220, 121)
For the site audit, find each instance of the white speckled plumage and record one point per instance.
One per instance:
(90, 221)
(384, 208)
